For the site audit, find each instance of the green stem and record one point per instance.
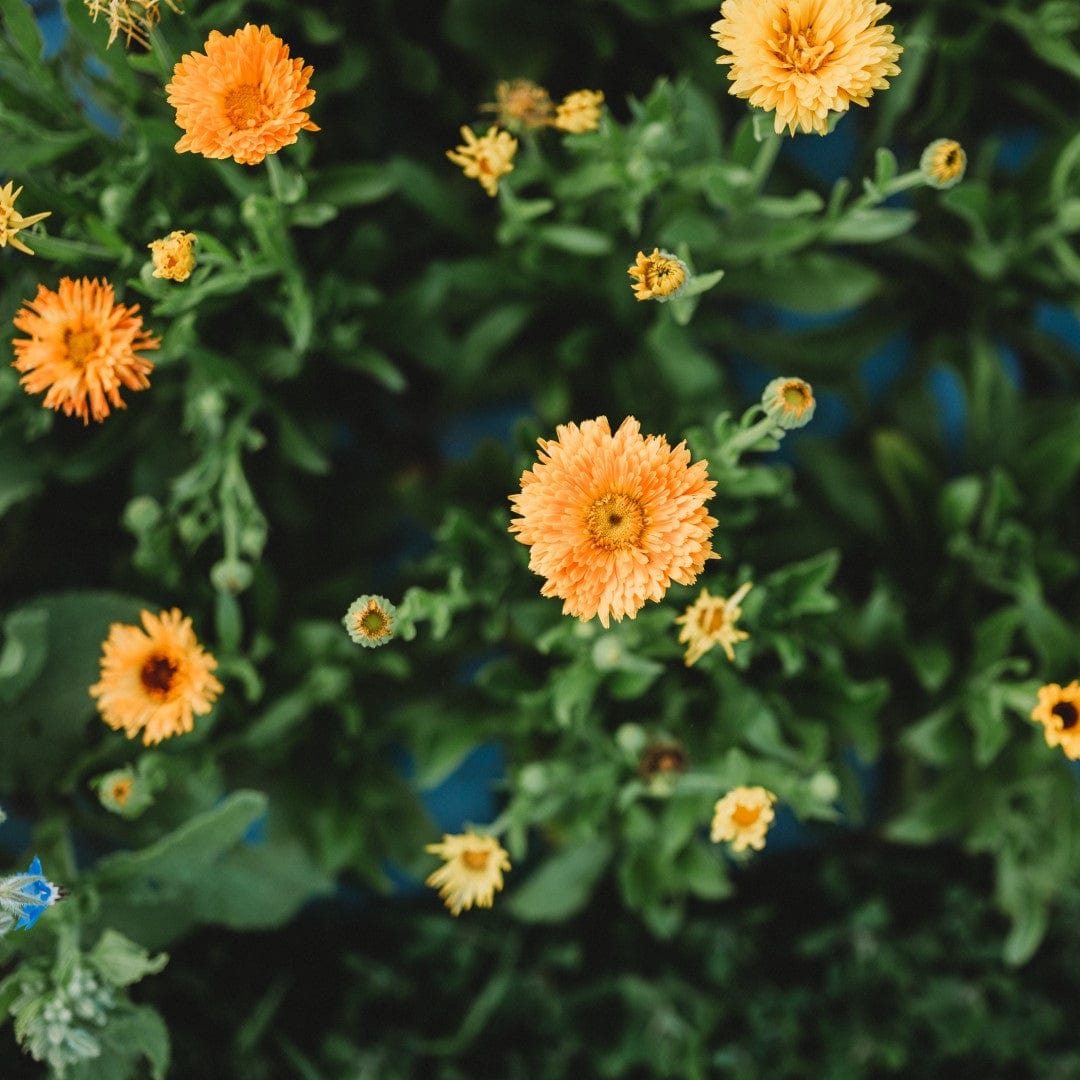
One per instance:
(745, 439)
(160, 48)
(763, 163)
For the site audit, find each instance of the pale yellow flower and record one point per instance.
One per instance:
(943, 163)
(742, 818)
(173, 256)
(11, 221)
(709, 621)
(1058, 711)
(579, 112)
(132, 18)
(521, 104)
(486, 158)
(472, 870)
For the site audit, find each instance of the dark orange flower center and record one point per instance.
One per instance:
(712, 621)
(475, 860)
(244, 106)
(373, 623)
(1067, 713)
(80, 344)
(616, 521)
(745, 816)
(157, 675)
(121, 791)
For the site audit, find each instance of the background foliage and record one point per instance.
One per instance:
(349, 387)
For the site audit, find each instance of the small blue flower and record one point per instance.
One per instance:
(26, 896)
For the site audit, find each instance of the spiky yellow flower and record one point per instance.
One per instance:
(370, 620)
(1058, 711)
(742, 818)
(613, 520)
(155, 680)
(472, 870)
(486, 158)
(83, 347)
(710, 620)
(521, 104)
(660, 276)
(943, 163)
(173, 256)
(804, 59)
(789, 401)
(243, 98)
(132, 18)
(11, 221)
(579, 112)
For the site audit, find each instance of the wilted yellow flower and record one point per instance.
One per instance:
(173, 256)
(521, 104)
(803, 59)
(709, 621)
(943, 163)
(660, 276)
(485, 158)
(370, 620)
(580, 111)
(742, 818)
(132, 18)
(789, 402)
(472, 870)
(1058, 711)
(11, 221)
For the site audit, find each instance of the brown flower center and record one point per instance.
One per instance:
(475, 860)
(615, 521)
(1067, 713)
(745, 816)
(244, 106)
(80, 344)
(157, 675)
(121, 791)
(798, 52)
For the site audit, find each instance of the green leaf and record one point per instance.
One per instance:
(801, 588)
(25, 650)
(811, 282)
(121, 962)
(22, 28)
(574, 239)
(1029, 924)
(562, 886)
(866, 226)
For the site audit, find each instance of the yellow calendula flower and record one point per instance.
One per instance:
(11, 221)
(486, 158)
(155, 679)
(1058, 711)
(805, 59)
(521, 104)
(472, 870)
(789, 402)
(132, 18)
(943, 163)
(659, 276)
(742, 818)
(370, 620)
(579, 112)
(710, 620)
(173, 255)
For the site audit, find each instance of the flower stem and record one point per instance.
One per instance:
(764, 161)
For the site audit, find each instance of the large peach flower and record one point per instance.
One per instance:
(613, 520)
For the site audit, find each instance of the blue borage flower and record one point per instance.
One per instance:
(26, 896)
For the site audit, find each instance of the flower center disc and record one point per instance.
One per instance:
(373, 623)
(745, 816)
(475, 860)
(795, 397)
(616, 521)
(244, 106)
(1066, 712)
(712, 622)
(157, 675)
(121, 791)
(798, 52)
(80, 344)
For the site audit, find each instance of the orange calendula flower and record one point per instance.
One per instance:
(472, 870)
(155, 680)
(710, 620)
(742, 818)
(485, 158)
(132, 18)
(1058, 711)
(82, 347)
(521, 104)
(613, 520)
(173, 256)
(943, 163)
(11, 221)
(804, 59)
(660, 276)
(579, 112)
(243, 98)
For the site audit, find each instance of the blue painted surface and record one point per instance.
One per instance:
(948, 393)
(1060, 322)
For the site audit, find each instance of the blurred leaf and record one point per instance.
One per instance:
(563, 884)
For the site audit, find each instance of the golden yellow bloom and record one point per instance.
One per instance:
(472, 870)
(742, 818)
(11, 221)
(521, 104)
(789, 401)
(660, 276)
(943, 163)
(243, 98)
(173, 256)
(132, 18)
(709, 621)
(82, 347)
(485, 158)
(806, 58)
(612, 520)
(579, 111)
(155, 681)
(370, 620)
(1058, 711)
